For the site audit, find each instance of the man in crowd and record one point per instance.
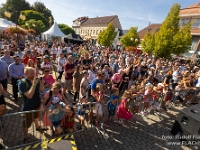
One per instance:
(86, 62)
(176, 76)
(30, 88)
(29, 56)
(7, 58)
(4, 74)
(69, 70)
(16, 71)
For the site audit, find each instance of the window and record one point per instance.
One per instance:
(196, 22)
(149, 29)
(97, 32)
(183, 22)
(93, 32)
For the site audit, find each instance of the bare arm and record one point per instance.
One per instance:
(29, 94)
(74, 83)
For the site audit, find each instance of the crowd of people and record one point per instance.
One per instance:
(138, 83)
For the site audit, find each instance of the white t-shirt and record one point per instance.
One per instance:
(68, 49)
(91, 76)
(45, 65)
(62, 61)
(40, 50)
(54, 50)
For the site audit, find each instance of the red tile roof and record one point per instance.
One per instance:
(149, 29)
(193, 9)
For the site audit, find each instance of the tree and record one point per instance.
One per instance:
(131, 38)
(148, 43)
(37, 25)
(172, 39)
(12, 6)
(41, 8)
(31, 14)
(66, 29)
(182, 41)
(107, 36)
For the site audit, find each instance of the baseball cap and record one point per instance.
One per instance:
(55, 100)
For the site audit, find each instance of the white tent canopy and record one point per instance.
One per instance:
(53, 31)
(5, 23)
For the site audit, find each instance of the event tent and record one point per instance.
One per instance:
(53, 31)
(5, 23)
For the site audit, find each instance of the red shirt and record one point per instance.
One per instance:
(27, 58)
(69, 121)
(67, 66)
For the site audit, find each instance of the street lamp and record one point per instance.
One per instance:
(7, 14)
(136, 40)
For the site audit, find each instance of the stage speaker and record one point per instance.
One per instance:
(187, 126)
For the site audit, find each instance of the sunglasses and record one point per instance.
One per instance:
(46, 71)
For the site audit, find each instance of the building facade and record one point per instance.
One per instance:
(89, 28)
(192, 14)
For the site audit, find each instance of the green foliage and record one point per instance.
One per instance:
(41, 8)
(131, 38)
(171, 39)
(31, 14)
(66, 29)
(107, 36)
(149, 43)
(169, 28)
(182, 41)
(12, 6)
(37, 25)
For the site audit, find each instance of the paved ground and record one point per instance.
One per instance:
(146, 134)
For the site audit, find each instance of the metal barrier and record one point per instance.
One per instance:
(11, 128)
(11, 131)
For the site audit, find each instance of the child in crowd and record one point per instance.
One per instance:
(99, 95)
(56, 112)
(147, 97)
(122, 111)
(81, 111)
(68, 120)
(112, 104)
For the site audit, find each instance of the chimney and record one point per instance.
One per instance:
(149, 23)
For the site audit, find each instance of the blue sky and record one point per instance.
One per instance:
(130, 12)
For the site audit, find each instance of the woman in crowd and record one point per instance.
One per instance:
(91, 73)
(61, 63)
(30, 63)
(48, 80)
(55, 91)
(77, 77)
(46, 63)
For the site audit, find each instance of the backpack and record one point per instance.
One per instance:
(50, 96)
(23, 80)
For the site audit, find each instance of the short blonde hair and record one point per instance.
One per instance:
(27, 69)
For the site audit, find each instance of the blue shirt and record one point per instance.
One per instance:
(115, 67)
(110, 105)
(3, 72)
(8, 60)
(16, 70)
(94, 83)
(59, 116)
